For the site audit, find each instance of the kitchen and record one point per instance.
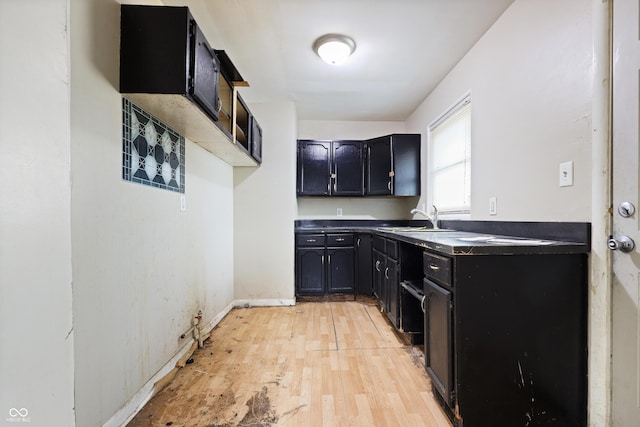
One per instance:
(121, 268)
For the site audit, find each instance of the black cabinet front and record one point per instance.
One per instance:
(314, 168)
(438, 338)
(348, 178)
(379, 167)
(163, 51)
(310, 271)
(330, 168)
(393, 165)
(340, 268)
(204, 73)
(325, 269)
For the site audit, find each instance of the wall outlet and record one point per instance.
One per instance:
(339, 212)
(566, 174)
(493, 206)
(183, 203)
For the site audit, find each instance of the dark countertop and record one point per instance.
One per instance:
(523, 238)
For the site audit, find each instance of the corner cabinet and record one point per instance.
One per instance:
(393, 165)
(168, 68)
(330, 168)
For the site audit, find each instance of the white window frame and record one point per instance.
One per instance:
(463, 105)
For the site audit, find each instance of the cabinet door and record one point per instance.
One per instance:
(438, 338)
(378, 274)
(256, 140)
(379, 167)
(204, 74)
(364, 271)
(392, 285)
(340, 270)
(310, 271)
(348, 168)
(314, 168)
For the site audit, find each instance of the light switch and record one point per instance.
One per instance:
(183, 203)
(493, 206)
(566, 174)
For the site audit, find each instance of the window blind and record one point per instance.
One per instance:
(450, 159)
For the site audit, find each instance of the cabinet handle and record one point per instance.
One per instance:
(386, 273)
(311, 240)
(329, 259)
(377, 265)
(340, 239)
(358, 242)
(329, 186)
(434, 267)
(389, 185)
(422, 306)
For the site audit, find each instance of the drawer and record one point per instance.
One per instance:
(437, 267)
(316, 240)
(392, 249)
(378, 243)
(340, 239)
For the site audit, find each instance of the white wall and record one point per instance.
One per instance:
(141, 267)
(36, 333)
(530, 79)
(352, 207)
(264, 211)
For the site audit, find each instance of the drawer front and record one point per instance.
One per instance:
(315, 240)
(340, 239)
(392, 249)
(378, 243)
(438, 267)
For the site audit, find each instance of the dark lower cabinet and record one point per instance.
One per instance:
(438, 338)
(325, 264)
(340, 270)
(364, 255)
(506, 338)
(310, 271)
(393, 261)
(379, 264)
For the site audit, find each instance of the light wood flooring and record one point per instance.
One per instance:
(313, 364)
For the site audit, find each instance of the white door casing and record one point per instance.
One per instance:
(625, 340)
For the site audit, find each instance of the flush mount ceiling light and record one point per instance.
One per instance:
(334, 49)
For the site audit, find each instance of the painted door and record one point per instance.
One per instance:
(625, 398)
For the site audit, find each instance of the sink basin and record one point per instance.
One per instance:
(505, 240)
(411, 229)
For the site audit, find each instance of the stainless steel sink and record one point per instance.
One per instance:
(412, 229)
(505, 240)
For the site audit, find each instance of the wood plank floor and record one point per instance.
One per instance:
(313, 364)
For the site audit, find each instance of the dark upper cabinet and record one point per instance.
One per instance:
(256, 140)
(168, 68)
(314, 168)
(330, 168)
(348, 167)
(393, 165)
(163, 51)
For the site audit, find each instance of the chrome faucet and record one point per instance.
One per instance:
(433, 219)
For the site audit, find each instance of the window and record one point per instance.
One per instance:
(450, 159)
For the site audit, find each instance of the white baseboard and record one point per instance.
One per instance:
(137, 402)
(264, 302)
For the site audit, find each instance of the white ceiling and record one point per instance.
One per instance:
(403, 49)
